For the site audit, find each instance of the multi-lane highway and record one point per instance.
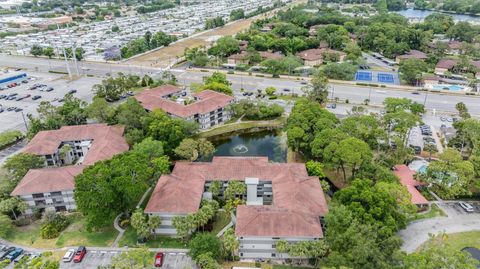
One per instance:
(439, 102)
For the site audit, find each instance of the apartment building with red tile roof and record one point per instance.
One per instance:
(406, 176)
(207, 108)
(67, 151)
(282, 201)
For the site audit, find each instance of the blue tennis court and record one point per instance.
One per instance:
(363, 76)
(385, 78)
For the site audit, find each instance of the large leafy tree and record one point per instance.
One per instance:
(18, 165)
(137, 258)
(380, 205)
(411, 70)
(190, 149)
(440, 257)
(364, 127)
(204, 243)
(307, 116)
(349, 154)
(169, 130)
(110, 187)
(450, 175)
(353, 243)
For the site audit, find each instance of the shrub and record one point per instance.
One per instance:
(340, 71)
(9, 137)
(53, 225)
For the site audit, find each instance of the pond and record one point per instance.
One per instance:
(270, 143)
(421, 14)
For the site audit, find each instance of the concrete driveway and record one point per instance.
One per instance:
(458, 220)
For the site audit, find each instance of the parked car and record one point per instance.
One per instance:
(159, 259)
(2, 96)
(49, 89)
(68, 257)
(5, 252)
(72, 91)
(79, 254)
(36, 97)
(18, 109)
(17, 259)
(467, 207)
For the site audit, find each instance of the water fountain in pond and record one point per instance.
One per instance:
(240, 149)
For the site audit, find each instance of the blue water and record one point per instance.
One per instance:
(455, 88)
(416, 13)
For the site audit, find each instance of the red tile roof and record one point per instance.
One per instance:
(317, 54)
(414, 54)
(446, 63)
(406, 179)
(48, 180)
(207, 101)
(271, 55)
(106, 141)
(295, 194)
(272, 221)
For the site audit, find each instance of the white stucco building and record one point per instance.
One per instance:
(207, 108)
(52, 186)
(282, 202)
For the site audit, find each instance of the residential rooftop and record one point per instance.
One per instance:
(298, 199)
(205, 101)
(406, 176)
(106, 141)
(48, 179)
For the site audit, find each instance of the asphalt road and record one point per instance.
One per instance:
(444, 103)
(458, 220)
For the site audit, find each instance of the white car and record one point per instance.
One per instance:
(467, 207)
(68, 255)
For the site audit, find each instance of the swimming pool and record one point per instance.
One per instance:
(447, 87)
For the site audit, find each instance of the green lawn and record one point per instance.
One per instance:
(289, 267)
(221, 220)
(435, 211)
(74, 235)
(457, 240)
(130, 239)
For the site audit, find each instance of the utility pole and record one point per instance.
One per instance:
(64, 54)
(333, 90)
(74, 53)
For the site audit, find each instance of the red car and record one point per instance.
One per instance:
(79, 254)
(159, 259)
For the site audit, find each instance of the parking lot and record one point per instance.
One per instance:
(15, 120)
(454, 209)
(95, 258)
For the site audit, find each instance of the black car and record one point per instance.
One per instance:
(36, 97)
(49, 89)
(72, 91)
(2, 96)
(18, 109)
(10, 108)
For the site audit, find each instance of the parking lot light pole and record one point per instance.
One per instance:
(24, 121)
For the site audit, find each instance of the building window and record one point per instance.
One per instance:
(49, 162)
(274, 255)
(241, 254)
(56, 193)
(37, 195)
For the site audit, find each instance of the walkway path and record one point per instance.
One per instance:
(418, 232)
(119, 229)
